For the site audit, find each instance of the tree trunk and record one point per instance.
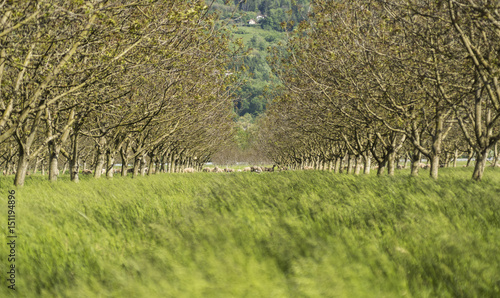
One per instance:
(170, 161)
(162, 166)
(74, 166)
(455, 158)
(35, 168)
(481, 158)
(143, 166)
(53, 167)
(65, 167)
(390, 163)
(157, 166)
(137, 164)
(150, 165)
(22, 167)
(357, 167)
(124, 156)
(99, 165)
(74, 169)
(469, 157)
(349, 165)
(101, 156)
(53, 161)
(110, 163)
(9, 169)
(434, 166)
(381, 167)
(175, 164)
(415, 162)
(182, 165)
(368, 163)
(336, 169)
(496, 158)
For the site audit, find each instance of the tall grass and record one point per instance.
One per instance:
(288, 234)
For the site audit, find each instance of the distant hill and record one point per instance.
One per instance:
(269, 14)
(270, 17)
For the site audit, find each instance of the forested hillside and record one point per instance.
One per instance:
(272, 20)
(275, 12)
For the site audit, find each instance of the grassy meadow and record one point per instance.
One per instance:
(287, 234)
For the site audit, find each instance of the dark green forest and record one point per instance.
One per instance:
(273, 18)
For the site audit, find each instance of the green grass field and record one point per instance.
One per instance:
(288, 234)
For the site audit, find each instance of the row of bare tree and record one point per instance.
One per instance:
(376, 79)
(142, 82)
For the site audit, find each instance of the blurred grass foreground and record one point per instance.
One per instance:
(287, 234)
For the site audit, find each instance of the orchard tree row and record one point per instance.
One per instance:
(374, 80)
(137, 82)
